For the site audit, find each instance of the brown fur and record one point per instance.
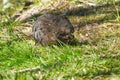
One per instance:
(50, 28)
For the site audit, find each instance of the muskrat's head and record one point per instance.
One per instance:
(65, 25)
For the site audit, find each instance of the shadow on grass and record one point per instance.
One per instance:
(108, 9)
(92, 10)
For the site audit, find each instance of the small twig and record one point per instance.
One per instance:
(26, 70)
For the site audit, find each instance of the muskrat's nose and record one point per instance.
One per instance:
(72, 30)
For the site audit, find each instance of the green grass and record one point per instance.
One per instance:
(86, 61)
(96, 57)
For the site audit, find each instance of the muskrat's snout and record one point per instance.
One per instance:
(70, 30)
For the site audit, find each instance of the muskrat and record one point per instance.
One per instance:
(50, 28)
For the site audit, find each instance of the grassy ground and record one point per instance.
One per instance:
(95, 57)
